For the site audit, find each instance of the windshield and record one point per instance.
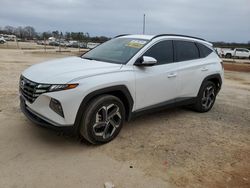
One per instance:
(118, 50)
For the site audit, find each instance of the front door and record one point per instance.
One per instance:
(156, 84)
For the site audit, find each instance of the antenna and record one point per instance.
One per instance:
(144, 20)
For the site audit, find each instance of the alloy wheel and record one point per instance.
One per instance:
(208, 97)
(107, 119)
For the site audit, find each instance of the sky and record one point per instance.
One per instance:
(214, 20)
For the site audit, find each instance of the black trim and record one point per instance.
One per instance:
(174, 51)
(164, 105)
(199, 50)
(177, 35)
(109, 90)
(139, 63)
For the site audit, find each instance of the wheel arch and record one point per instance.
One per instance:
(216, 79)
(120, 91)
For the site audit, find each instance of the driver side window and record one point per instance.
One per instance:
(162, 52)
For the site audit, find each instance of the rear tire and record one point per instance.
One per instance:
(102, 120)
(206, 97)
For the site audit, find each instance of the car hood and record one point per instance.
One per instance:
(61, 71)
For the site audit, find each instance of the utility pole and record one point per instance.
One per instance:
(144, 20)
(60, 38)
(44, 39)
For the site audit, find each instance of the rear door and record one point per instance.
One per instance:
(192, 68)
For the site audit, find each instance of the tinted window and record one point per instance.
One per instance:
(186, 50)
(204, 51)
(162, 52)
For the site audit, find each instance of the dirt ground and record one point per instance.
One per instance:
(172, 148)
(240, 67)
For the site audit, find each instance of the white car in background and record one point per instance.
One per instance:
(237, 53)
(120, 79)
(2, 40)
(91, 45)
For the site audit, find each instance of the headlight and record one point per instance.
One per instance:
(42, 88)
(62, 87)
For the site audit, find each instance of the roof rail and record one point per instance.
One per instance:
(121, 35)
(177, 35)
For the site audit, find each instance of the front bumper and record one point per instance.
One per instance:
(39, 119)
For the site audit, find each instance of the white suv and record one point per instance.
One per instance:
(126, 76)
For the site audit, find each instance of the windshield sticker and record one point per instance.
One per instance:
(136, 43)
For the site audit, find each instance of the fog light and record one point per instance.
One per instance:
(56, 106)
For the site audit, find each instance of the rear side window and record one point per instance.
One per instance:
(186, 50)
(162, 52)
(204, 51)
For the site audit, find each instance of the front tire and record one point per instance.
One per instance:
(206, 97)
(102, 120)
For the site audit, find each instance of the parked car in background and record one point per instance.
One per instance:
(237, 53)
(62, 42)
(82, 45)
(51, 39)
(2, 40)
(75, 44)
(40, 42)
(91, 45)
(54, 43)
(9, 37)
(71, 43)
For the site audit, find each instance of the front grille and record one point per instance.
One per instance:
(30, 90)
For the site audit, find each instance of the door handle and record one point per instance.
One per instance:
(204, 69)
(171, 75)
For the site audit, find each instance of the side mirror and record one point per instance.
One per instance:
(146, 61)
